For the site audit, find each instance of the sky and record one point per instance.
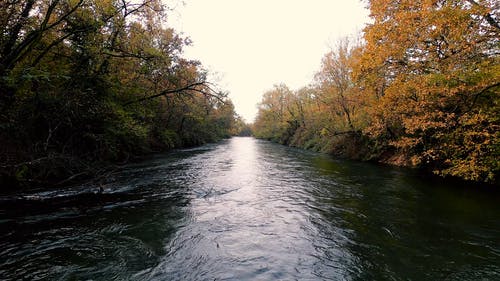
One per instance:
(251, 45)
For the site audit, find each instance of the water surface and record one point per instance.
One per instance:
(246, 209)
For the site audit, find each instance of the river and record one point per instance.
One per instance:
(246, 209)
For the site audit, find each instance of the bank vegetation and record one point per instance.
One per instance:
(85, 84)
(420, 88)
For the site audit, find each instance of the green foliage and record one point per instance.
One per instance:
(85, 83)
(170, 139)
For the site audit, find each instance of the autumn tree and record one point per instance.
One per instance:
(422, 89)
(272, 116)
(433, 68)
(338, 91)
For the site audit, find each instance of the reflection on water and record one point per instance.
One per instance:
(246, 209)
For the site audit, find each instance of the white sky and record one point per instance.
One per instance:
(253, 44)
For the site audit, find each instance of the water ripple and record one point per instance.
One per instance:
(246, 209)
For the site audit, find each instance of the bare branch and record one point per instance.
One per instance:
(190, 87)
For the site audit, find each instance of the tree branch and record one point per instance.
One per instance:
(476, 96)
(190, 87)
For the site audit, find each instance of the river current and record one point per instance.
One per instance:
(247, 209)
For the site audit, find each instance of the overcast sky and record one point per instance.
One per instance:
(253, 44)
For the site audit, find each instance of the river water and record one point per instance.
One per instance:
(246, 209)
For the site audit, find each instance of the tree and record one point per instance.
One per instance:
(85, 82)
(433, 68)
(274, 113)
(337, 89)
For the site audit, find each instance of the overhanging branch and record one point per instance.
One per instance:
(191, 87)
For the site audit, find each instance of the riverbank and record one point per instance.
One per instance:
(361, 148)
(85, 86)
(48, 173)
(402, 94)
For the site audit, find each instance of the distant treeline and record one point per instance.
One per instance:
(420, 89)
(89, 82)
